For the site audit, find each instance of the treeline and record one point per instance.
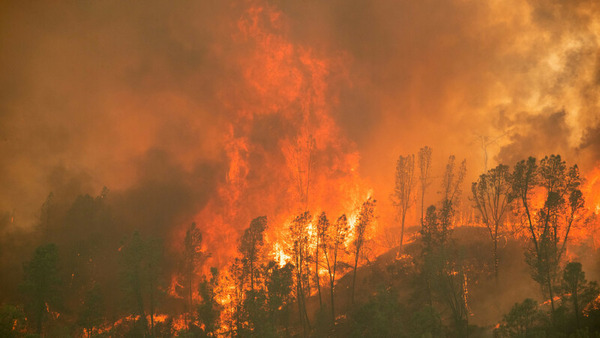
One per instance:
(543, 199)
(86, 274)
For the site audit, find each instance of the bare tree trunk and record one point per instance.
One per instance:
(496, 255)
(402, 229)
(317, 274)
(190, 294)
(354, 277)
(300, 315)
(332, 306)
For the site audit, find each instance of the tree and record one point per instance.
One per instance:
(549, 226)
(424, 164)
(451, 183)
(154, 276)
(442, 269)
(523, 320)
(12, 321)
(577, 290)
(83, 234)
(47, 215)
(403, 191)
(322, 229)
(365, 218)
(492, 194)
(141, 262)
(381, 316)
(92, 314)
(253, 319)
(209, 310)
(41, 285)
(332, 242)
(250, 244)
(300, 254)
(279, 283)
(132, 260)
(192, 255)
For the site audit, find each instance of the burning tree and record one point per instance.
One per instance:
(549, 225)
(403, 191)
(492, 194)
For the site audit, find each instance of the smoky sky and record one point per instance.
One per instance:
(138, 96)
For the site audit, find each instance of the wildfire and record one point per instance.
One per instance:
(280, 255)
(174, 287)
(591, 190)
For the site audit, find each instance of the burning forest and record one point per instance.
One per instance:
(300, 169)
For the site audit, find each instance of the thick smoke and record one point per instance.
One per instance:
(176, 107)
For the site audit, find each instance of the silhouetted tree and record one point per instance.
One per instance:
(42, 284)
(322, 229)
(92, 314)
(192, 255)
(333, 243)
(403, 191)
(492, 194)
(550, 225)
(279, 283)
(365, 218)
(250, 244)
(300, 254)
(577, 290)
(523, 320)
(133, 254)
(443, 271)
(381, 316)
(142, 276)
(424, 164)
(154, 276)
(12, 321)
(209, 310)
